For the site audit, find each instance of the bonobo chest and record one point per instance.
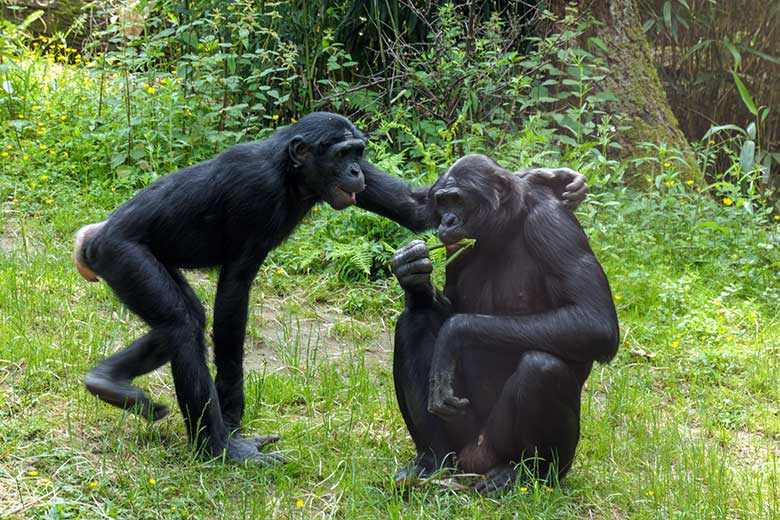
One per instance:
(506, 282)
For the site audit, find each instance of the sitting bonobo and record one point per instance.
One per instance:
(489, 373)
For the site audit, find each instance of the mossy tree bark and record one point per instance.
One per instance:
(633, 79)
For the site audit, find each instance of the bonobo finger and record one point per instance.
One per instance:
(420, 266)
(411, 252)
(414, 280)
(457, 402)
(262, 440)
(446, 412)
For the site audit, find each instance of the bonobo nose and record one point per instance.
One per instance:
(449, 220)
(355, 171)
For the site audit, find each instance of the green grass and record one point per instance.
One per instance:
(684, 423)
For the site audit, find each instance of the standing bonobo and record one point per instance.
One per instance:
(230, 212)
(489, 372)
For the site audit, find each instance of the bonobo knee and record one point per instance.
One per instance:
(541, 367)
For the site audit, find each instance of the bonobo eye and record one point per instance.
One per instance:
(448, 198)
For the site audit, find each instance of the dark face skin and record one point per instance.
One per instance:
(333, 172)
(451, 210)
(345, 179)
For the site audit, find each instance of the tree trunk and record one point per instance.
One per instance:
(633, 79)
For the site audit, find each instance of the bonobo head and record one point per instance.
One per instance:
(467, 197)
(326, 149)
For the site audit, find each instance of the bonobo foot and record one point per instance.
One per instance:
(124, 395)
(496, 481)
(248, 450)
(422, 467)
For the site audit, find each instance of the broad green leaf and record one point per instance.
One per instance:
(748, 155)
(747, 99)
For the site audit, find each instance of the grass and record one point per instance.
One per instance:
(682, 424)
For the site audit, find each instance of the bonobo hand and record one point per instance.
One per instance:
(576, 186)
(248, 450)
(441, 396)
(412, 267)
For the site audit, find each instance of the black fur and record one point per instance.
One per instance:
(488, 373)
(229, 212)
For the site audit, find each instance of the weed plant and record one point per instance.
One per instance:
(684, 423)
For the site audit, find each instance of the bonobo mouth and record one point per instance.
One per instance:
(340, 199)
(451, 248)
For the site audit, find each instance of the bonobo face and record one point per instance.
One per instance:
(326, 150)
(466, 197)
(344, 177)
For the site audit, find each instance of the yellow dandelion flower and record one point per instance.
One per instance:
(20, 116)
(712, 141)
(727, 201)
(667, 164)
(63, 118)
(113, 188)
(44, 177)
(10, 147)
(4, 154)
(650, 493)
(718, 301)
(43, 147)
(280, 271)
(36, 107)
(152, 481)
(689, 182)
(523, 489)
(292, 119)
(675, 344)
(299, 503)
(40, 132)
(49, 201)
(26, 157)
(32, 473)
(83, 98)
(151, 90)
(776, 217)
(315, 209)
(60, 46)
(618, 297)
(670, 183)
(548, 489)
(52, 152)
(649, 180)
(93, 484)
(275, 117)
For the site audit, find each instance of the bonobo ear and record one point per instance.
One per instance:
(298, 151)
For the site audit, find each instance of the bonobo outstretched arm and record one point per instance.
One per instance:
(392, 197)
(585, 329)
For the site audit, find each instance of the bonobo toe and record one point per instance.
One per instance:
(247, 451)
(498, 480)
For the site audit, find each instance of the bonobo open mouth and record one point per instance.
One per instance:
(340, 198)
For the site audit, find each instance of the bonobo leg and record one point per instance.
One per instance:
(415, 338)
(163, 300)
(110, 379)
(230, 315)
(534, 423)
